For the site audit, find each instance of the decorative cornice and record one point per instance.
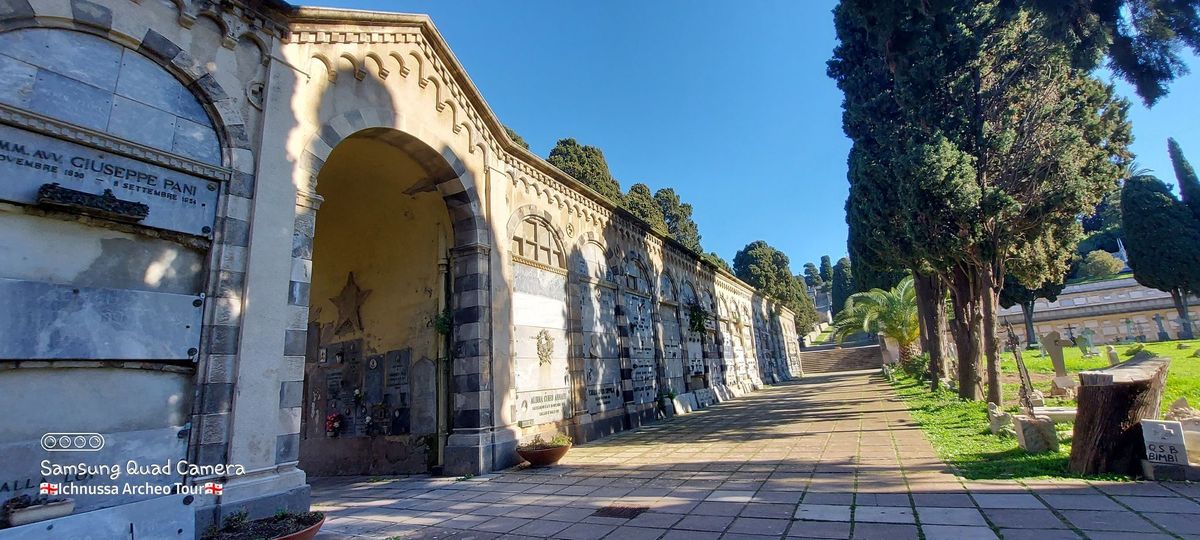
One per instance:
(312, 25)
(103, 141)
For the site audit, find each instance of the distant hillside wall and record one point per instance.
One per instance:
(1116, 310)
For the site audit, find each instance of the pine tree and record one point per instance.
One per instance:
(768, 270)
(586, 164)
(516, 137)
(641, 203)
(826, 269)
(678, 216)
(812, 276)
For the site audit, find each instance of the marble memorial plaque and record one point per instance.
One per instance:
(333, 385)
(373, 385)
(1164, 442)
(424, 397)
(397, 368)
(49, 321)
(602, 378)
(178, 201)
(542, 406)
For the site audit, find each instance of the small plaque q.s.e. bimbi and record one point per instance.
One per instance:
(1164, 442)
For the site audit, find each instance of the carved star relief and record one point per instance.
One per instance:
(349, 303)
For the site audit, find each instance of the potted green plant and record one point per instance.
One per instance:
(23, 509)
(540, 453)
(282, 526)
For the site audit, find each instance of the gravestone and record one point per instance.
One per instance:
(1035, 433)
(1166, 450)
(1129, 335)
(396, 393)
(1113, 357)
(373, 385)
(1062, 385)
(1085, 343)
(998, 420)
(1162, 330)
(424, 397)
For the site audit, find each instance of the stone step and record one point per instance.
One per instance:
(848, 359)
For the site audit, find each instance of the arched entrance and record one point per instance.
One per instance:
(378, 358)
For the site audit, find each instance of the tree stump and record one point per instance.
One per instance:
(1111, 405)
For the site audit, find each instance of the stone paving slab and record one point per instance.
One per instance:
(834, 456)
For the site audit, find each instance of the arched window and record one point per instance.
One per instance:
(534, 241)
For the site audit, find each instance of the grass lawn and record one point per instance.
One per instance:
(959, 429)
(824, 337)
(1182, 381)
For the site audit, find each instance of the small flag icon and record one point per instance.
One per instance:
(48, 489)
(212, 488)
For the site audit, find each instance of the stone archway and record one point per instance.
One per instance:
(397, 344)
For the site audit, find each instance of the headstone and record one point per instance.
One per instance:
(1063, 384)
(1029, 397)
(1182, 412)
(424, 397)
(1036, 434)
(373, 386)
(1129, 335)
(1085, 342)
(1113, 357)
(1166, 451)
(1164, 442)
(998, 420)
(1162, 330)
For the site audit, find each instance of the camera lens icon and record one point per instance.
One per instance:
(72, 442)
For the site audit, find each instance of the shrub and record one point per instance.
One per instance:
(916, 367)
(1100, 263)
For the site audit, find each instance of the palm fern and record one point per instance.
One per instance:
(892, 313)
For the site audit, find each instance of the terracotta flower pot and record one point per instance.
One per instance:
(542, 457)
(304, 534)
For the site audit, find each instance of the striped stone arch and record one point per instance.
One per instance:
(470, 269)
(450, 176)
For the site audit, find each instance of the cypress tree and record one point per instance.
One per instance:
(1189, 185)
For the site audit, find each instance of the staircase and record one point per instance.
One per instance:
(840, 359)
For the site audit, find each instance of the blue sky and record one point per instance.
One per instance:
(727, 102)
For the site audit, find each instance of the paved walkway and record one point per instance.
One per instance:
(830, 457)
